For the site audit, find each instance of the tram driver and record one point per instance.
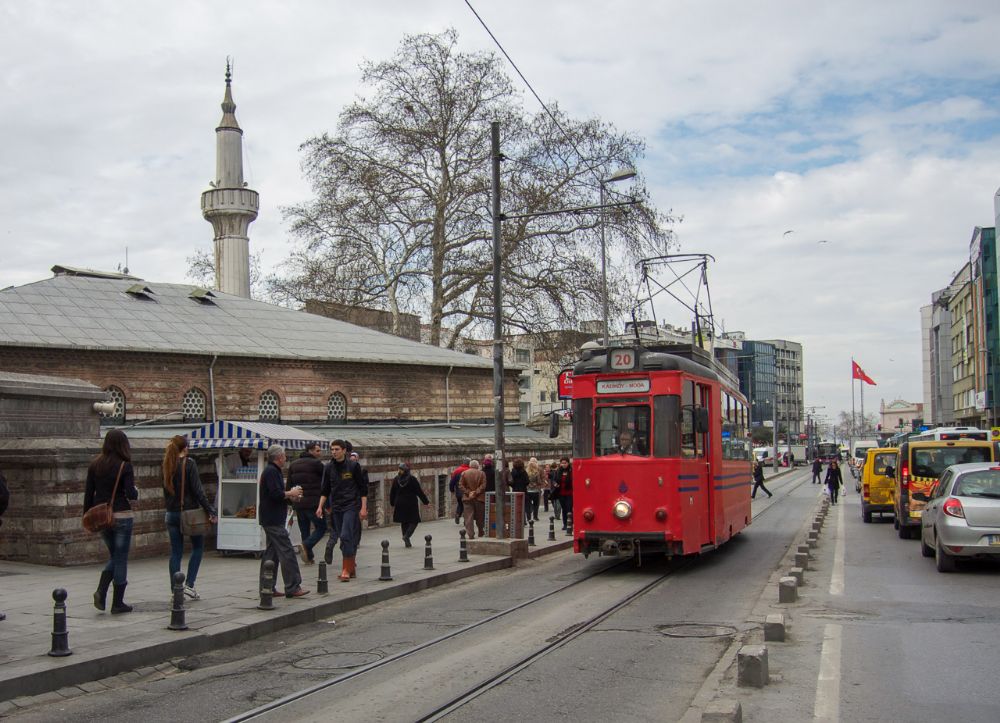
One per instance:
(628, 443)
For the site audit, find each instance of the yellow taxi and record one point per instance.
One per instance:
(877, 482)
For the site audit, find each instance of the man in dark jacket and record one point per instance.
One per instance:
(345, 493)
(454, 489)
(307, 472)
(817, 469)
(272, 514)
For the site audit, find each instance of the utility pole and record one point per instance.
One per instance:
(498, 411)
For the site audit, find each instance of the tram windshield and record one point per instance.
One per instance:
(622, 430)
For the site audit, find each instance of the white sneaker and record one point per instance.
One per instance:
(191, 593)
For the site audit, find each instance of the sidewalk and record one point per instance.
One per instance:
(104, 645)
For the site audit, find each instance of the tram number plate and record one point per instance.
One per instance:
(622, 359)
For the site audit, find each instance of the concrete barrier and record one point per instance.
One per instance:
(788, 591)
(751, 665)
(797, 573)
(774, 628)
(724, 710)
(802, 560)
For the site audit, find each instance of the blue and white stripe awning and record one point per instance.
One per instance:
(254, 435)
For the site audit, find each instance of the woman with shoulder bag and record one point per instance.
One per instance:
(182, 491)
(111, 480)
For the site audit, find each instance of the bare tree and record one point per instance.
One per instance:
(400, 216)
(201, 270)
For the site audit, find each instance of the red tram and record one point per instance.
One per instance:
(661, 457)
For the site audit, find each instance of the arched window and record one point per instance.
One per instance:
(193, 405)
(269, 409)
(336, 408)
(117, 416)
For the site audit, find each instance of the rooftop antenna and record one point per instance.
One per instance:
(125, 270)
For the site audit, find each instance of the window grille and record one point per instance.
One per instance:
(269, 409)
(336, 408)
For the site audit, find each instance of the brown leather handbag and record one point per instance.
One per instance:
(193, 522)
(102, 517)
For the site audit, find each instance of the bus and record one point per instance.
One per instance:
(827, 451)
(952, 434)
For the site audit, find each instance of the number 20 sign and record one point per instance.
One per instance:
(622, 359)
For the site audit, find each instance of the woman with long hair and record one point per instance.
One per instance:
(178, 468)
(111, 474)
(537, 481)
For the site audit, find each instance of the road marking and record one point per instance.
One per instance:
(837, 578)
(827, 707)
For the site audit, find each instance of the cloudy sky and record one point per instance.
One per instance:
(868, 129)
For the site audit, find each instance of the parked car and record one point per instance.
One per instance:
(962, 517)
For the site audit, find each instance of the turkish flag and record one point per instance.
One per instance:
(859, 373)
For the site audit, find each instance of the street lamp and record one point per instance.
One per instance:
(622, 174)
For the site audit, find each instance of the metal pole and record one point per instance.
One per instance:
(604, 273)
(774, 421)
(498, 412)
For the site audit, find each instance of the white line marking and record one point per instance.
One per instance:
(827, 707)
(837, 578)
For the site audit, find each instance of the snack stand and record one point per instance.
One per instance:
(237, 498)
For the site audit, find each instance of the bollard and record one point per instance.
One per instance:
(531, 533)
(60, 636)
(552, 529)
(798, 573)
(569, 524)
(803, 549)
(322, 584)
(774, 628)
(463, 547)
(751, 665)
(177, 621)
(802, 560)
(267, 586)
(812, 540)
(428, 555)
(787, 590)
(386, 573)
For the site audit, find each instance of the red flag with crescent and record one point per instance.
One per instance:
(858, 373)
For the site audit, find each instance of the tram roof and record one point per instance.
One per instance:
(674, 357)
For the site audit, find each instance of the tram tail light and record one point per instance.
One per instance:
(661, 513)
(588, 515)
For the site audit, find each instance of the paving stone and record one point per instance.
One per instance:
(93, 686)
(70, 691)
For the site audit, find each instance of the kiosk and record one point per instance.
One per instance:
(237, 499)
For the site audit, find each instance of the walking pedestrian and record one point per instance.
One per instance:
(834, 481)
(519, 483)
(403, 496)
(473, 486)
(345, 492)
(364, 485)
(454, 488)
(547, 469)
(490, 471)
(564, 477)
(554, 490)
(817, 469)
(758, 480)
(536, 484)
(180, 472)
(306, 472)
(111, 474)
(273, 514)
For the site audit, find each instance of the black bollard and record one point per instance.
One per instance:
(463, 547)
(552, 529)
(322, 584)
(531, 533)
(60, 637)
(428, 555)
(569, 524)
(267, 586)
(386, 573)
(177, 621)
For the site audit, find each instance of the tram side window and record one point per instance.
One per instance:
(583, 428)
(689, 440)
(623, 430)
(726, 407)
(667, 426)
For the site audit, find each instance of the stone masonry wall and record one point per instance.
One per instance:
(154, 385)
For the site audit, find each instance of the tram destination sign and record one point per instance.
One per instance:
(622, 386)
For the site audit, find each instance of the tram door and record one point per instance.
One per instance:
(693, 481)
(705, 446)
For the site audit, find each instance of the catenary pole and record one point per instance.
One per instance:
(498, 411)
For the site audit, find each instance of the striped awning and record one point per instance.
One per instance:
(253, 435)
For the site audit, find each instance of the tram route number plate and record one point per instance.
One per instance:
(622, 359)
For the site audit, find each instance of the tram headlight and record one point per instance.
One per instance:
(622, 510)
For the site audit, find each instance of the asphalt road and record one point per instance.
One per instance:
(645, 662)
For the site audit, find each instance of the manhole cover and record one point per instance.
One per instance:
(343, 659)
(697, 630)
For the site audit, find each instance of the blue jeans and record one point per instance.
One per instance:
(307, 519)
(173, 520)
(118, 540)
(345, 526)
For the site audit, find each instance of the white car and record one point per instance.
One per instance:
(962, 516)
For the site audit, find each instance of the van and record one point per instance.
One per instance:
(919, 467)
(877, 482)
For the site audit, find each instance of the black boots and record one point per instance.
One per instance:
(118, 601)
(101, 596)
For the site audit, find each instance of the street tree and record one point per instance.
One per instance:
(202, 271)
(400, 213)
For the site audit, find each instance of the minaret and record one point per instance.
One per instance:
(230, 206)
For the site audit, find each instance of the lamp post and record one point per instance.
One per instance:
(622, 174)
